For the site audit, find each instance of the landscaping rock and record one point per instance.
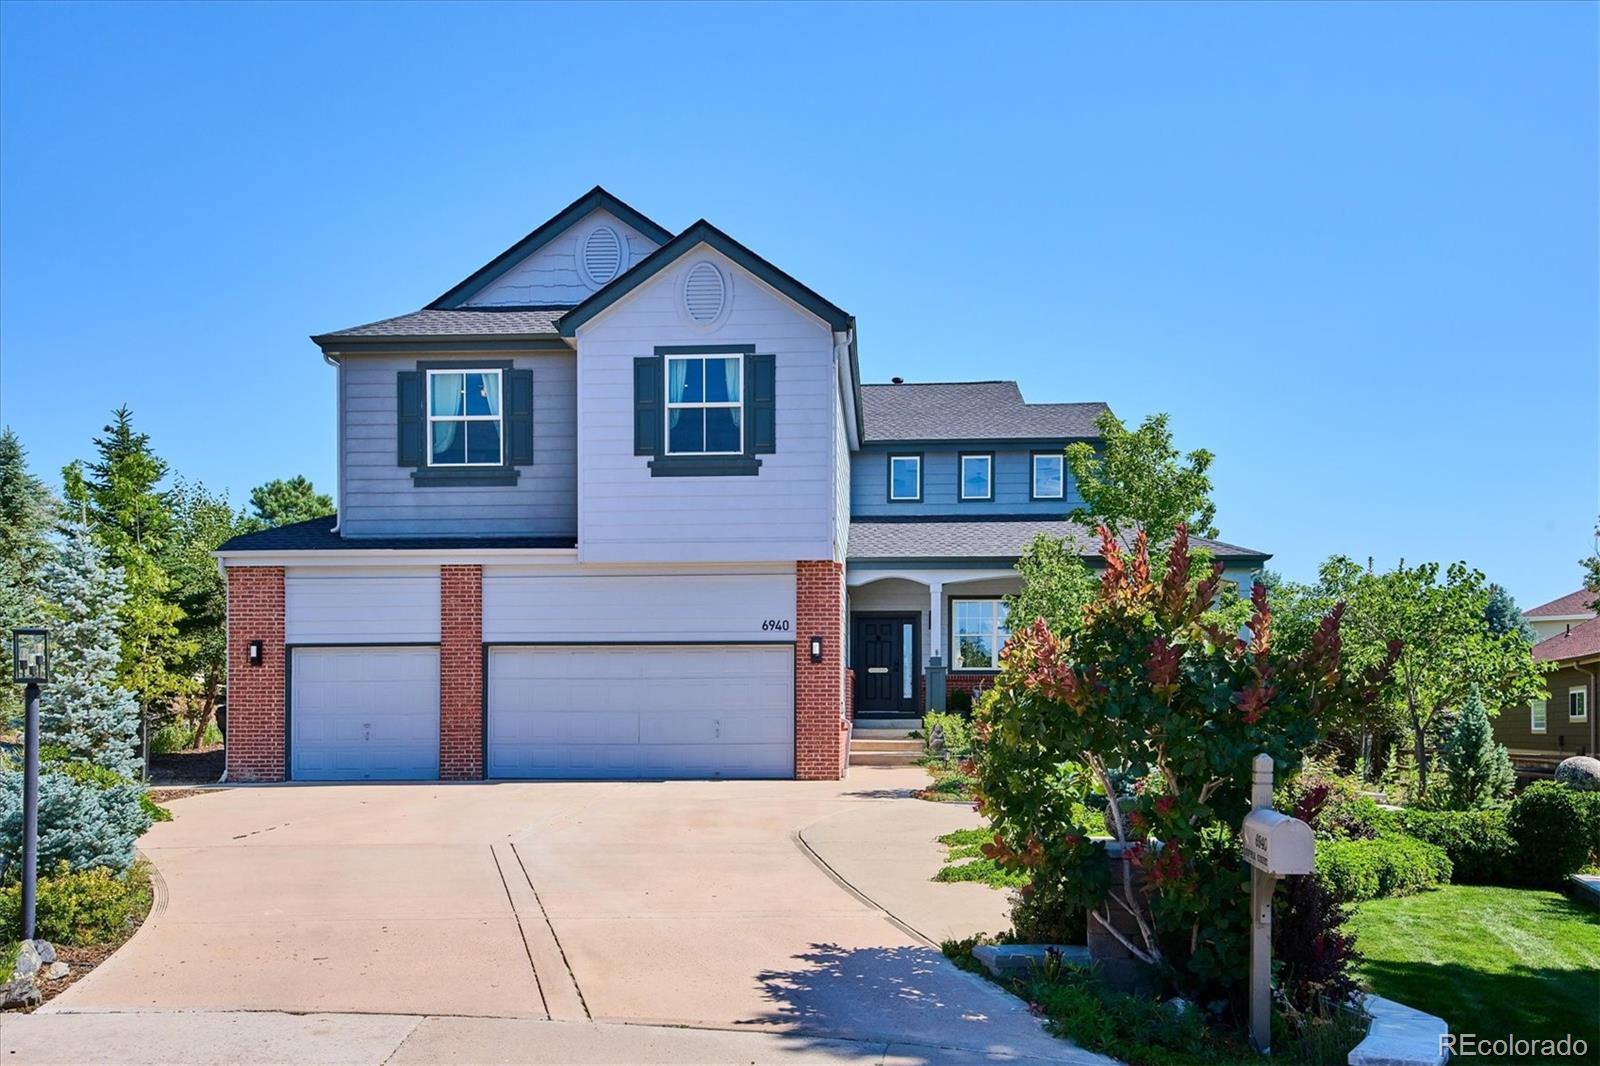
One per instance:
(1399, 1035)
(46, 952)
(57, 971)
(28, 961)
(20, 992)
(1014, 960)
(1581, 772)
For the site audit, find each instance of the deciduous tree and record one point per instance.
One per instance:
(1138, 481)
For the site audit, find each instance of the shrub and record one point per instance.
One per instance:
(1580, 772)
(82, 823)
(951, 730)
(179, 736)
(1330, 802)
(1557, 830)
(1389, 865)
(1315, 957)
(80, 907)
(959, 702)
(1481, 851)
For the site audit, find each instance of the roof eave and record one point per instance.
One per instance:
(333, 344)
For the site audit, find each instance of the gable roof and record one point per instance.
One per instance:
(970, 410)
(1573, 603)
(568, 216)
(1579, 642)
(703, 232)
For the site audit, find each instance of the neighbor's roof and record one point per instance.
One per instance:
(502, 323)
(970, 410)
(318, 535)
(1579, 642)
(1573, 603)
(1001, 538)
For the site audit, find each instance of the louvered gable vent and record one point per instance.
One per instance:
(704, 292)
(602, 255)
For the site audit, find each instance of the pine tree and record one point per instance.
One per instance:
(1478, 770)
(26, 507)
(83, 709)
(285, 501)
(1503, 616)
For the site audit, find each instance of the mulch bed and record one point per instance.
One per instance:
(202, 767)
(81, 959)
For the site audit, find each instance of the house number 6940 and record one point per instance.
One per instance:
(781, 625)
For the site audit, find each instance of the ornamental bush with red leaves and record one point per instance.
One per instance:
(1150, 690)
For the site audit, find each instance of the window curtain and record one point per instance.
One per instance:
(678, 381)
(730, 380)
(488, 398)
(447, 398)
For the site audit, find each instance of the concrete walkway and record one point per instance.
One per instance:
(677, 904)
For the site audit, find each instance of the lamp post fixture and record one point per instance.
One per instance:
(30, 666)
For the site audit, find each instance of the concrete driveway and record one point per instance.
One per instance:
(682, 903)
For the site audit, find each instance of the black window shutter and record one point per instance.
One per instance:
(647, 405)
(408, 416)
(519, 417)
(760, 404)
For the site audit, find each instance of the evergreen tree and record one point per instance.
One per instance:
(1504, 617)
(283, 502)
(1478, 770)
(131, 517)
(83, 710)
(26, 507)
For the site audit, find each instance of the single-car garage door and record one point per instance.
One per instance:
(684, 711)
(364, 714)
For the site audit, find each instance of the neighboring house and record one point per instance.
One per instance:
(617, 505)
(1563, 724)
(1559, 615)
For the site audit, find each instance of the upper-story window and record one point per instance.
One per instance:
(705, 401)
(1578, 704)
(464, 419)
(977, 476)
(905, 478)
(1049, 476)
(1537, 716)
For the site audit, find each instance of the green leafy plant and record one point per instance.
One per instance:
(1151, 692)
(1480, 848)
(81, 906)
(1557, 830)
(947, 736)
(1388, 865)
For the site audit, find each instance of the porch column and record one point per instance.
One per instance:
(936, 662)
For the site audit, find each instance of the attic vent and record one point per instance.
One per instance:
(704, 292)
(602, 255)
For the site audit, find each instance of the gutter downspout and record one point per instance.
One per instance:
(1590, 708)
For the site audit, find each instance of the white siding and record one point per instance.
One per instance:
(552, 275)
(784, 513)
(609, 608)
(345, 608)
(380, 499)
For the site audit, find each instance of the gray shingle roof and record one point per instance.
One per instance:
(1000, 538)
(318, 535)
(459, 322)
(970, 410)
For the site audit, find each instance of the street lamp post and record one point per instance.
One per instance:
(30, 666)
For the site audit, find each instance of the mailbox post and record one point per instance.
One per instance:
(1274, 844)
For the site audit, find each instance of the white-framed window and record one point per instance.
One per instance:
(705, 405)
(1577, 704)
(977, 477)
(905, 478)
(978, 632)
(464, 418)
(1049, 476)
(1538, 720)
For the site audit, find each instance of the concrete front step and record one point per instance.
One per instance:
(884, 758)
(902, 725)
(860, 743)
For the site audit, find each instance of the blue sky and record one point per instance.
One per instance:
(1352, 249)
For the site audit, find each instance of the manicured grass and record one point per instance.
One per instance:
(1490, 961)
(965, 861)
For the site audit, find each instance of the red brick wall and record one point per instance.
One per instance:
(821, 741)
(255, 693)
(850, 694)
(461, 673)
(967, 682)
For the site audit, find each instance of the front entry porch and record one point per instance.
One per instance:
(917, 635)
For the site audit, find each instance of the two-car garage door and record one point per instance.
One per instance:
(661, 711)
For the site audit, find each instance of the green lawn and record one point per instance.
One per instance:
(965, 862)
(1490, 961)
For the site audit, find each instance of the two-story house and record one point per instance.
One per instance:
(618, 505)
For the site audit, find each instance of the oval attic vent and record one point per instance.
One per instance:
(602, 255)
(704, 292)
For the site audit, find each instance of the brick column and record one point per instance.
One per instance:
(461, 673)
(255, 693)
(821, 730)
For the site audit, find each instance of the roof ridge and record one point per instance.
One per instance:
(904, 384)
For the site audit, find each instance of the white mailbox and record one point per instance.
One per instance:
(1277, 844)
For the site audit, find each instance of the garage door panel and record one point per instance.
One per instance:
(360, 714)
(682, 711)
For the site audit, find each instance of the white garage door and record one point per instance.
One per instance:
(364, 714)
(684, 711)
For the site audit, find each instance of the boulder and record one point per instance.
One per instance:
(57, 971)
(28, 961)
(45, 951)
(1581, 772)
(20, 992)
